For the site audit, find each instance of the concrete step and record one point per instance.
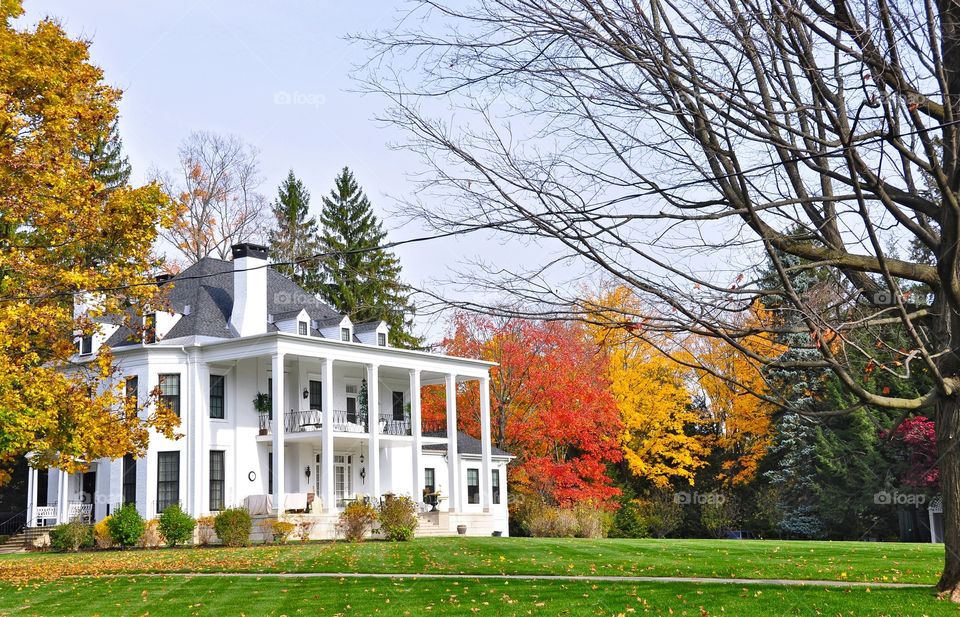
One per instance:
(14, 544)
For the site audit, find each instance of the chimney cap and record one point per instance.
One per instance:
(249, 249)
(163, 278)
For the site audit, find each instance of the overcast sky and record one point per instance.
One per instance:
(278, 78)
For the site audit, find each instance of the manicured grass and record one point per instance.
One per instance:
(850, 561)
(359, 597)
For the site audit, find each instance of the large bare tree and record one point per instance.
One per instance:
(215, 188)
(677, 146)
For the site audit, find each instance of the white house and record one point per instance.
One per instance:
(238, 329)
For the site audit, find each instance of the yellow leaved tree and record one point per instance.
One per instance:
(651, 393)
(62, 235)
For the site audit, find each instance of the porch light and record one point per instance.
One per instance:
(361, 458)
(306, 393)
(307, 471)
(363, 473)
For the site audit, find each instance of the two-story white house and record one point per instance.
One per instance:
(339, 418)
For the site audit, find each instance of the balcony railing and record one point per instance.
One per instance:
(312, 420)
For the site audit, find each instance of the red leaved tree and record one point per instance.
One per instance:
(550, 404)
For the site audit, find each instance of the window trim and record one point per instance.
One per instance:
(128, 480)
(473, 490)
(161, 483)
(220, 482)
(318, 405)
(495, 487)
(302, 328)
(393, 400)
(171, 398)
(345, 335)
(381, 339)
(222, 397)
(85, 345)
(432, 473)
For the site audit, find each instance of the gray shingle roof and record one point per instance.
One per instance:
(369, 326)
(465, 445)
(207, 288)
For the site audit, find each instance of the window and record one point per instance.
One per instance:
(270, 473)
(302, 328)
(129, 479)
(270, 396)
(382, 339)
(344, 334)
(430, 485)
(495, 485)
(150, 328)
(217, 403)
(168, 479)
(316, 395)
(398, 406)
(473, 486)
(170, 391)
(85, 345)
(217, 476)
(352, 394)
(133, 391)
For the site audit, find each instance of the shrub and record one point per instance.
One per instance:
(629, 522)
(71, 536)
(398, 518)
(101, 533)
(176, 526)
(662, 513)
(356, 521)
(281, 530)
(126, 526)
(593, 521)
(305, 527)
(151, 537)
(233, 527)
(205, 532)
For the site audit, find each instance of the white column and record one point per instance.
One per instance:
(31, 496)
(373, 420)
(63, 487)
(199, 415)
(415, 431)
(485, 479)
(326, 435)
(278, 427)
(453, 464)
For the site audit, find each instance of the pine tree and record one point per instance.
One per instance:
(109, 165)
(294, 238)
(361, 280)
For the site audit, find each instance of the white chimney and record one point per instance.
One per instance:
(249, 289)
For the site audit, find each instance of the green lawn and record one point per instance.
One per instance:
(850, 561)
(362, 598)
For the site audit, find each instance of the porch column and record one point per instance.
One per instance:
(326, 436)
(485, 479)
(415, 430)
(63, 487)
(278, 426)
(31, 496)
(198, 416)
(373, 421)
(453, 464)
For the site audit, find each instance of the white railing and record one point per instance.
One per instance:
(82, 512)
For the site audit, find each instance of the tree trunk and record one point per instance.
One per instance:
(947, 427)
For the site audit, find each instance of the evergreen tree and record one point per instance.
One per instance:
(294, 238)
(361, 280)
(109, 165)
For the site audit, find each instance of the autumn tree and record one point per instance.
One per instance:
(679, 145)
(550, 405)
(215, 190)
(64, 235)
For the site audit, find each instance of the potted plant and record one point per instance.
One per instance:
(462, 530)
(263, 406)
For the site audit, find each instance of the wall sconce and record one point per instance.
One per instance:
(307, 471)
(363, 474)
(306, 393)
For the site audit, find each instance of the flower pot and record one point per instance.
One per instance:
(462, 530)
(263, 431)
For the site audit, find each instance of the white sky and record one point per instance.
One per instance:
(275, 74)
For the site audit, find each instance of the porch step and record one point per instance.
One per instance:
(15, 544)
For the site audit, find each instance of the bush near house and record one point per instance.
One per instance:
(151, 537)
(101, 533)
(205, 533)
(532, 517)
(176, 526)
(71, 536)
(398, 518)
(126, 526)
(281, 530)
(356, 521)
(233, 527)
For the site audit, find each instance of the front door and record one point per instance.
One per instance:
(342, 478)
(88, 487)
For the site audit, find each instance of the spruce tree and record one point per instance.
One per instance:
(293, 240)
(105, 156)
(361, 280)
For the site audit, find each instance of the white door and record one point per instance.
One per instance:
(342, 478)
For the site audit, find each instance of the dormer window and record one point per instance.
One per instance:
(382, 339)
(345, 334)
(85, 345)
(302, 328)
